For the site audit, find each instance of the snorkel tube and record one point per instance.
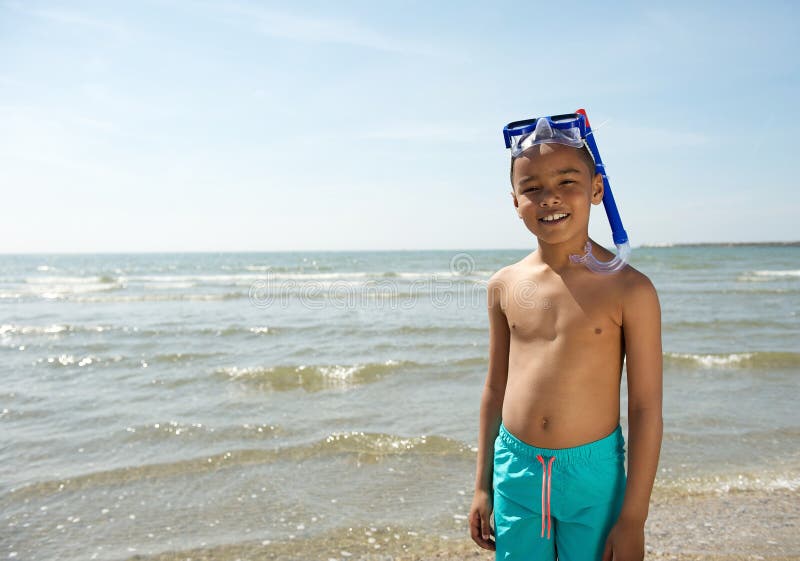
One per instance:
(618, 232)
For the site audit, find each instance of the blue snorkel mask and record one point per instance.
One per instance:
(573, 130)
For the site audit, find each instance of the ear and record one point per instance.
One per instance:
(516, 202)
(597, 189)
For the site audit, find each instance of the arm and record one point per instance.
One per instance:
(641, 326)
(641, 323)
(495, 386)
(490, 414)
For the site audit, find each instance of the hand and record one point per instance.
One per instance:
(479, 520)
(625, 541)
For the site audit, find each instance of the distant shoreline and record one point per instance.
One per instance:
(724, 244)
(397, 250)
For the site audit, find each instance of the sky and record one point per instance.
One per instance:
(184, 125)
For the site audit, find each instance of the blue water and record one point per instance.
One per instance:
(201, 402)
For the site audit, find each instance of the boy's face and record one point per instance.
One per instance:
(554, 179)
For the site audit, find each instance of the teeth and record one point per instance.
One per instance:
(553, 217)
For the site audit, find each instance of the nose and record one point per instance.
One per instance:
(549, 197)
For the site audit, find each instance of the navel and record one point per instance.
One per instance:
(597, 330)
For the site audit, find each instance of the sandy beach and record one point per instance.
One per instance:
(731, 527)
(735, 526)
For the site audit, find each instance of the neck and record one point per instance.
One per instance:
(556, 256)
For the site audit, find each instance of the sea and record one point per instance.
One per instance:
(324, 405)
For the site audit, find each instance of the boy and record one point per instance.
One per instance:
(550, 448)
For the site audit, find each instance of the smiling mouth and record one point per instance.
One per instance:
(557, 221)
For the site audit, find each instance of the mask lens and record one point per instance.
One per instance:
(562, 130)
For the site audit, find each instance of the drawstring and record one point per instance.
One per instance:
(546, 475)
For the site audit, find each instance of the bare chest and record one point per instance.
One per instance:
(581, 312)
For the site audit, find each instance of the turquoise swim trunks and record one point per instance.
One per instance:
(556, 502)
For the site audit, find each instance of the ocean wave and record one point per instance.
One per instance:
(264, 289)
(749, 291)
(169, 430)
(180, 358)
(8, 329)
(70, 280)
(770, 275)
(169, 285)
(378, 445)
(65, 359)
(312, 377)
(241, 278)
(360, 447)
(87, 360)
(779, 273)
(122, 298)
(161, 297)
(53, 329)
(268, 273)
(722, 324)
(255, 273)
(232, 330)
(437, 329)
(322, 291)
(279, 268)
(51, 288)
(755, 359)
(472, 361)
(722, 484)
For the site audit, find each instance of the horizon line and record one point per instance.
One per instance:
(654, 245)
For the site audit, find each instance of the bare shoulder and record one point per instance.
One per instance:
(638, 291)
(498, 280)
(507, 274)
(498, 285)
(502, 283)
(632, 278)
(500, 275)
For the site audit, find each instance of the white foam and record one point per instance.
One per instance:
(36, 329)
(769, 275)
(340, 372)
(714, 360)
(778, 273)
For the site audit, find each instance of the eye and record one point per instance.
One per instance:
(567, 182)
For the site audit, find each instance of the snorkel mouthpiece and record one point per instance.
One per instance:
(611, 266)
(574, 130)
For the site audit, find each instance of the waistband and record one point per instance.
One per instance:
(602, 448)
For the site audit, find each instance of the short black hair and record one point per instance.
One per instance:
(585, 154)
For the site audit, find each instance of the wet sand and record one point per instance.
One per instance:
(731, 527)
(735, 526)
